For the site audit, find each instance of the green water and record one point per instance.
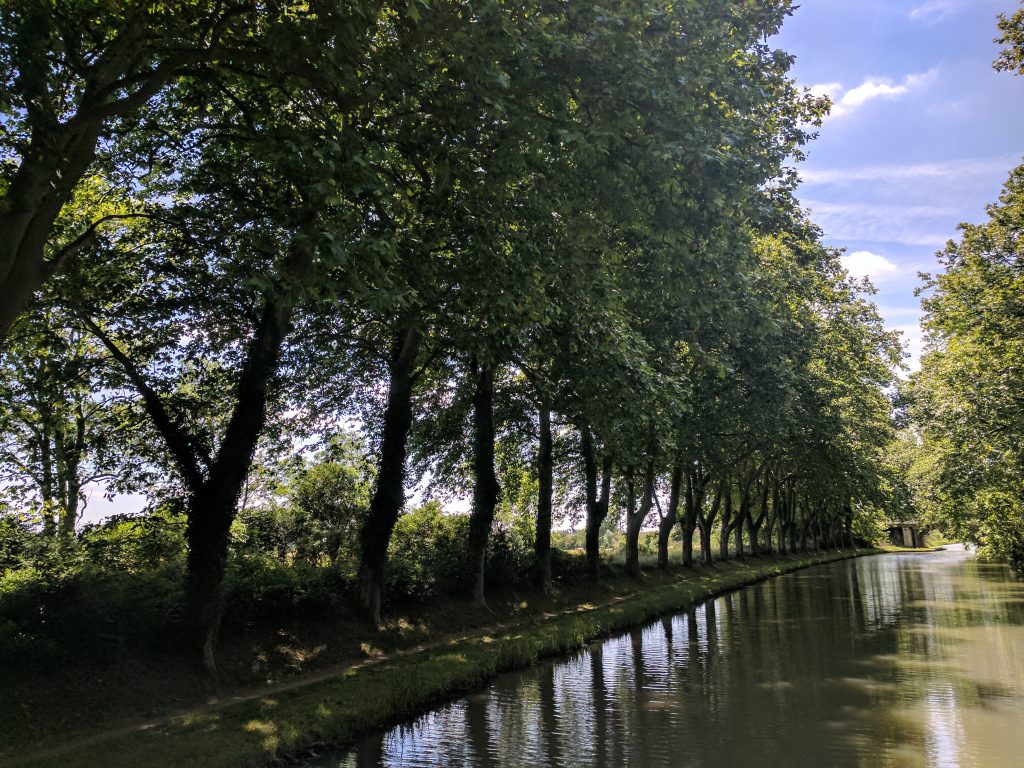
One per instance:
(910, 660)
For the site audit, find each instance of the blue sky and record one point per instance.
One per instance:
(922, 135)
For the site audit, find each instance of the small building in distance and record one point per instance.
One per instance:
(905, 533)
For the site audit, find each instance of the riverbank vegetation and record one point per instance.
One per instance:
(966, 406)
(291, 722)
(273, 267)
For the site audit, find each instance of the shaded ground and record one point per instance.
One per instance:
(129, 689)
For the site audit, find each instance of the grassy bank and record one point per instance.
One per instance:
(332, 711)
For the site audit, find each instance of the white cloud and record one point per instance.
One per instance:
(826, 89)
(846, 101)
(933, 11)
(868, 264)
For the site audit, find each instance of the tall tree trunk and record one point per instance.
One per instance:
(706, 524)
(692, 498)
(635, 517)
(545, 485)
(215, 483)
(485, 488)
(209, 513)
(723, 542)
(668, 521)
(597, 503)
(389, 492)
(632, 555)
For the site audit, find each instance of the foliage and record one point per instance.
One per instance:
(471, 229)
(136, 543)
(967, 399)
(425, 555)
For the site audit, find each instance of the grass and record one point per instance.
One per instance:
(894, 550)
(331, 712)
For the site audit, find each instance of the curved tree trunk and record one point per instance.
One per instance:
(668, 521)
(597, 505)
(389, 492)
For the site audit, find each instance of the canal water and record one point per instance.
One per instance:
(892, 660)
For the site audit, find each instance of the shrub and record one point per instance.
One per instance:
(136, 543)
(260, 590)
(425, 556)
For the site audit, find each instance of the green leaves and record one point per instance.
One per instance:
(968, 398)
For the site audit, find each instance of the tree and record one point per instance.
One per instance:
(75, 77)
(1011, 58)
(967, 400)
(58, 427)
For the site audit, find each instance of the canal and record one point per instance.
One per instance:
(893, 660)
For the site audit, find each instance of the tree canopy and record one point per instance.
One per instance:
(544, 256)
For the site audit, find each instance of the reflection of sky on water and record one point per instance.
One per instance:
(944, 730)
(884, 661)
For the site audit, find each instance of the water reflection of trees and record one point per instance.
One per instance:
(839, 666)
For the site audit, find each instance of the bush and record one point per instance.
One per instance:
(261, 590)
(16, 542)
(425, 556)
(87, 612)
(509, 558)
(569, 566)
(136, 543)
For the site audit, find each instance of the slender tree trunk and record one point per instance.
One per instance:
(667, 522)
(47, 487)
(723, 543)
(632, 550)
(692, 499)
(485, 488)
(545, 484)
(597, 505)
(389, 492)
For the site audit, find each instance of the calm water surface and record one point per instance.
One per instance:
(910, 660)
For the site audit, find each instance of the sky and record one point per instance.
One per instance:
(922, 135)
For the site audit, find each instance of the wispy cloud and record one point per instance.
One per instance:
(846, 101)
(942, 171)
(917, 225)
(933, 11)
